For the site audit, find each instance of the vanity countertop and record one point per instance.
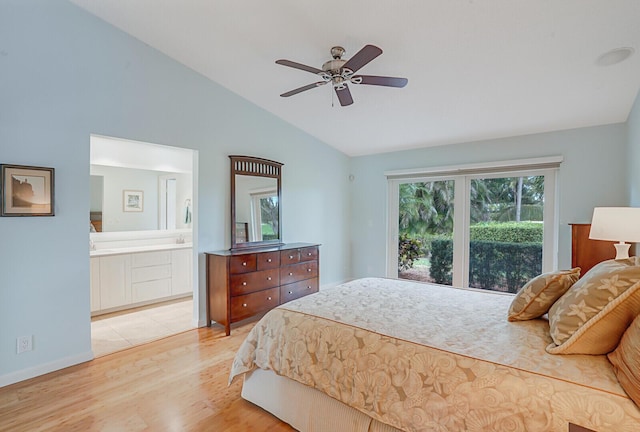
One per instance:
(134, 249)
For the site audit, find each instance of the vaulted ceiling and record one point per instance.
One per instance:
(477, 69)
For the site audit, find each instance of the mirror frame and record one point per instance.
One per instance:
(257, 167)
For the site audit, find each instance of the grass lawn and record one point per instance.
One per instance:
(421, 262)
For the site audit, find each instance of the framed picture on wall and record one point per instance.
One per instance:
(132, 200)
(26, 190)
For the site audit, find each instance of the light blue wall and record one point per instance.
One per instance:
(594, 173)
(633, 161)
(64, 75)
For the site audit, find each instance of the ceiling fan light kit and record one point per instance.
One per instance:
(340, 72)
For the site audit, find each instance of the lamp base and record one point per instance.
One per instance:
(622, 250)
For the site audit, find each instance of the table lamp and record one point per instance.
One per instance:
(619, 224)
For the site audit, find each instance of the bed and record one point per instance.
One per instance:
(386, 355)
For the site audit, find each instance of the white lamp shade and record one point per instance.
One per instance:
(621, 224)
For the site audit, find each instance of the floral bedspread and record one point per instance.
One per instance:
(423, 357)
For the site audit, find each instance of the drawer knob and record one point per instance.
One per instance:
(308, 286)
(269, 278)
(244, 284)
(290, 256)
(244, 264)
(309, 254)
(269, 260)
(290, 274)
(290, 292)
(268, 298)
(244, 305)
(308, 269)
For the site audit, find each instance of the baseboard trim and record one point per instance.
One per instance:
(32, 372)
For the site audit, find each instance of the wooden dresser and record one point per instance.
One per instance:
(243, 283)
(585, 253)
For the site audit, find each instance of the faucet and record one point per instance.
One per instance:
(92, 245)
(180, 239)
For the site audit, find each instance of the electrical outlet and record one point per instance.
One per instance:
(24, 343)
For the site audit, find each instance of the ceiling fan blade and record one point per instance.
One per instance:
(344, 96)
(362, 57)
(380, 80)
(300, 66)
(303, 88)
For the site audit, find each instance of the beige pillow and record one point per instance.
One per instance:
(591, 317)
(626, 361)
(536, 297)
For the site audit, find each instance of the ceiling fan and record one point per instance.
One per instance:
(339, 72)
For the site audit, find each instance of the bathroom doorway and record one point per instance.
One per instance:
(141, 243)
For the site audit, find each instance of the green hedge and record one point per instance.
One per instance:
(501, 255)
(441, 260)
(497, 264)
(492, 265)
(508, 232)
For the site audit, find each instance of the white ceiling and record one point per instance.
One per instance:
(477, 69)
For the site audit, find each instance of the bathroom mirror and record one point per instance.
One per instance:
(255, 202)
(165, 199)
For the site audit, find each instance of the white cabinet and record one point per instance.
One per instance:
(127, 280)
(146, 259)
(115, 274)
(181, 271)
(95, 283)
(151, 290)
(150, 276)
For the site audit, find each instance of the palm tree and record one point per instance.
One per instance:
(426, 208)
(508, 199)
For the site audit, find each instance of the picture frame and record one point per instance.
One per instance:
(242, 232)
(132, 200)
(26, 190)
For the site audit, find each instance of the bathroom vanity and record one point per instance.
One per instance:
(131, 273)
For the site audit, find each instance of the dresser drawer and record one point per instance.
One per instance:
(298, 272)
(144, 274)
(309, 254)
(290, 256)
(268, 260)
(249, 282)
(247, 305)
(298, 289)
(242, 263)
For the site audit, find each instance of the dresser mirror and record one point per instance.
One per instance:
(255, 202)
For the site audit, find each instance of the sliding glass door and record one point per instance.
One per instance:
(488, 231)
(506, 224)
(425, 227)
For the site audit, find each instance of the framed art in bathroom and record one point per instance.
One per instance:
(132, 200)
(26, 190)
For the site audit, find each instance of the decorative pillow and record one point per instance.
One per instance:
(536, 297)
(592, 315)
(626, 361)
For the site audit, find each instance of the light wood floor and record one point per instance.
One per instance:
(174, 384)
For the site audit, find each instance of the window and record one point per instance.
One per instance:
(485, 226)
(264, 215)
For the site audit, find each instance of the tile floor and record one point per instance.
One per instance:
(120, 330)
